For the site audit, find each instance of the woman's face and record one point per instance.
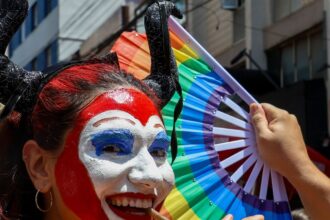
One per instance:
(114, 161)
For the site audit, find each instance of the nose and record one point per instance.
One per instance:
(145, 171)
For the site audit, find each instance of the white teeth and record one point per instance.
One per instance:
(118, 202)
(146, 204)
(132, 203)
(137, 203)
(125, 202)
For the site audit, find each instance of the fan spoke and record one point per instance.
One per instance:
(283, 190)
(253, 177)
(275, 186)
(227, 132)
(278, 187)
(244, 168)
(237, 157)
(236, 108)
(233, 120)
(232, 145)
(264, 182)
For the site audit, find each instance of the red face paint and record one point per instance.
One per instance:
(72, 178)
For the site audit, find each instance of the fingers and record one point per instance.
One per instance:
(259, 119)
(256, 217)
(273, 112)
(228, 217)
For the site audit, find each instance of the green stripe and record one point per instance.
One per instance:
(190, 190)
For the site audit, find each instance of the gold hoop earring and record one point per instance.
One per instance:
(37, 203)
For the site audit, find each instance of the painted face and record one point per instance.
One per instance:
(114, 161)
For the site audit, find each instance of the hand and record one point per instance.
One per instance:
(256, 217)
(281, 146)
(279, 138)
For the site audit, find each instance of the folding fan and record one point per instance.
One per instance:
(218, 170)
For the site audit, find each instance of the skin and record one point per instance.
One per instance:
(255, 217)
(142, 175)
(279, 139)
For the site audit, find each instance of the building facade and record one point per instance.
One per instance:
(285, 40)
(55, 29)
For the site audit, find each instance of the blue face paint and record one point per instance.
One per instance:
(160, 145)
(119, 141)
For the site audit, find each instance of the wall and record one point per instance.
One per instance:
(211, 26)
(38, 40)
(79, 19)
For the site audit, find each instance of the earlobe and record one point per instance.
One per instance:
(38, 165)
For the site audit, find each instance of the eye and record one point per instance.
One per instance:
(160, 153)
(112, 148)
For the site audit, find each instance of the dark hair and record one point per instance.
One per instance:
(57, 106)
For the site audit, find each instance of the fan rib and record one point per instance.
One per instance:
(231, 104)
(244, 168)
(237, 157)
(233, 120)
(282, 189)
(264, 182)
(232, 145)
(275, 186)
(227, 132)
(253, 176)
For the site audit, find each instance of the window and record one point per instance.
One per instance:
(48, 7)
(34, 11)
(239, 23)
(283, 8)
(301, 58)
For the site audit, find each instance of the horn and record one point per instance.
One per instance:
(12, 15)
(164, 74)
(14, 80)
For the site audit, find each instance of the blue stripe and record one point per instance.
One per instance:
(203, 160)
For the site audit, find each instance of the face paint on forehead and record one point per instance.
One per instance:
(72, 178)
(129, 100)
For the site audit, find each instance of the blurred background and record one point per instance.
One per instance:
(277, 49)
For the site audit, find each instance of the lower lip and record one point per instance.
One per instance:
(127, 215)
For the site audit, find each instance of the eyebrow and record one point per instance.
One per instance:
(98, 123)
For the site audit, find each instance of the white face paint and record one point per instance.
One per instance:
(126, 162)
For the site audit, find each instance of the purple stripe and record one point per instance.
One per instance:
(264, 205)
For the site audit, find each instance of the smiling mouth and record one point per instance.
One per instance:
(131, 205)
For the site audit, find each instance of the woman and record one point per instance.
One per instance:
(85, 140)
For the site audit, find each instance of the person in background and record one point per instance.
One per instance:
(299, 214)
(282, 147)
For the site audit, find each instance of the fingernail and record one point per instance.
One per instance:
(254, 108)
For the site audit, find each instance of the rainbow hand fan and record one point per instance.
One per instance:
(218, 170)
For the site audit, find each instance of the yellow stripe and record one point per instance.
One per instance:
(181, 57)
(176, 205)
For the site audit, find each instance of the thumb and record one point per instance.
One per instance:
(259, 119)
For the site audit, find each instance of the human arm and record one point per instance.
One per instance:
(281, 146)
